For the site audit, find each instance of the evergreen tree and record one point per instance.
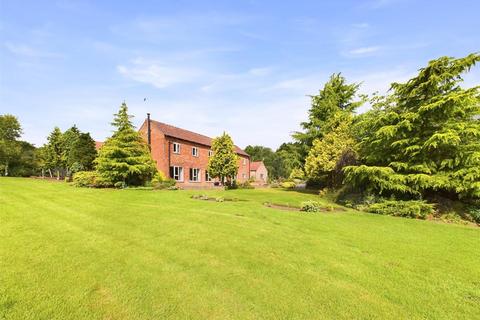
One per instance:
(54, 153)
(223, 163)
(336, 97)
(10, 131)
(424, 138)
(328, 156)
(125, 158)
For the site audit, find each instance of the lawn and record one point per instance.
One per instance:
(72, 253)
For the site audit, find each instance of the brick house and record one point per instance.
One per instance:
(183, 155)
(258, 172)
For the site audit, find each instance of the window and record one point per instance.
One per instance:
(176, 173)
(194, 174)
(210, 153)
(244, 176)
(176, 147)
(195, 151)
(244, 161)
(207, 176)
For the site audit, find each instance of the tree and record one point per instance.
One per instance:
(291, 157)
(54, 153)
(328, 156)
(223, 163)
(10, 131)
(125, 158)
(336, 97)
(26, 163)
(424, 137)
(78, 150)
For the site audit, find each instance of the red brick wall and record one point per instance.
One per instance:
(162, 153)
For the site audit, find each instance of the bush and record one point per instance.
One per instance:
(85, 179)
(288, 185)
(411, 208)
(160, 181)
(231, 185)
(245, 185)
(474, 213)
(310, 206)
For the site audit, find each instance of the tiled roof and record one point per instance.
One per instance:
(187, 135)
(255, 165)
(98, 145)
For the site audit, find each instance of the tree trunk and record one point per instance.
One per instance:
(50, 172)
(6, 169)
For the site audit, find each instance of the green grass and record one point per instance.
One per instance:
(72, 253)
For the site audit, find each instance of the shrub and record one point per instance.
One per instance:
(231, 185)
(310, 206)
(411, 208)
(85, 179)
(245, 185)
(160, 181)
(275, 184)
(288, 185)
(474, 213)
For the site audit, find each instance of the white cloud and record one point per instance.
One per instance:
(28, 51)
(158, 74)
(363, 51)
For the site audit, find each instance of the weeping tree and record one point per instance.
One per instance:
(125, 158)
(424, 137)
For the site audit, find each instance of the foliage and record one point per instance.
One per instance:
(245, 185)
(310, 206)
(78, 150)
(160, 181)
(125, 158)
(336, 98)
(85, 179)
(10, 131)
(26, 163)
(223, 163)
(423, 138)
(297, 174)
(474, 213)
(288, 184)
(54, 152)
(231, 185)
(329, 155)
(411, 209)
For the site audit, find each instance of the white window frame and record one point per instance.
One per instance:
(244, 176)
(176, 146)
(178, 173)
(193, 175)
(195, 151)
(244, 161)
(210, 153)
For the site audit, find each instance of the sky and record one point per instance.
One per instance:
(244, 67)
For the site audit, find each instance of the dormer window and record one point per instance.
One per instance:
(176, 147)
(195, 151)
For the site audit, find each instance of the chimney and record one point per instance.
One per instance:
(149, 132)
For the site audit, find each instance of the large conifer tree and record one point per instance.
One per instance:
(425, 136)
(125, 158)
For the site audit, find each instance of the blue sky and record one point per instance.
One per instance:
(246, 67)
